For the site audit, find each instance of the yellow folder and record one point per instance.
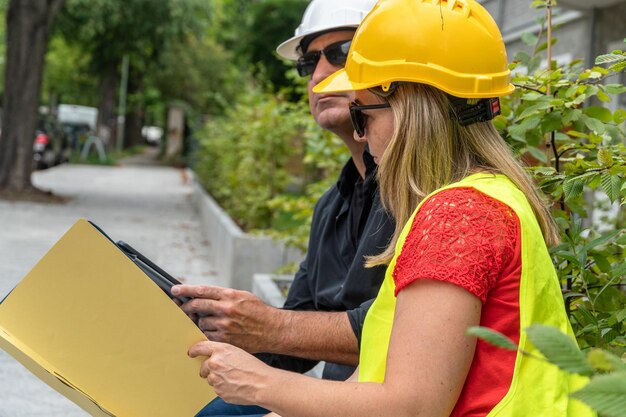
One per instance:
(88, 322)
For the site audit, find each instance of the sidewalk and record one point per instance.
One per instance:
(146, 205)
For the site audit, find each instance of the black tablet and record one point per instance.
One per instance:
(164, 280)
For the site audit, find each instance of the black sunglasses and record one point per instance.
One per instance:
(359, 120)
(335, 53)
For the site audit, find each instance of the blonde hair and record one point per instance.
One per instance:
(429, 149)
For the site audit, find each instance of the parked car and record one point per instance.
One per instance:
(51, 145)
(152, 135)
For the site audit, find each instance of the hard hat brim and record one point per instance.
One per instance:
(289, 48)
(338, 82)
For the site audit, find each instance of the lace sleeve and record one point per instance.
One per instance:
(461, 236)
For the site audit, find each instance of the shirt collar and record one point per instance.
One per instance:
(350, 175)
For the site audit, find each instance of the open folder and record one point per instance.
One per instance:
(91, 324)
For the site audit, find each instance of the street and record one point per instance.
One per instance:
(146, 205)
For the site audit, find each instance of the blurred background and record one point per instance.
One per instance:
(160, 118)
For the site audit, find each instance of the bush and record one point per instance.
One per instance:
(249, 161)
(582, 168)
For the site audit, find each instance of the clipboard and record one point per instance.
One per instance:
(91, 324)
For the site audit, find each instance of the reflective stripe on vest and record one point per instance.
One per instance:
(537, 388)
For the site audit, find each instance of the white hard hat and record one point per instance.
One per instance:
(323, 16)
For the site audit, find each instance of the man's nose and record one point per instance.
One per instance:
(323, 69)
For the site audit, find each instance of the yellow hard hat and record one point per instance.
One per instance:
(453, 45)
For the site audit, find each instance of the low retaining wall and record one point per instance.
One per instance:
(266, 287)
(237, 256)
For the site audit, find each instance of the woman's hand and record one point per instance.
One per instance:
(235, 375)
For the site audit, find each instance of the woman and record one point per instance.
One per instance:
(469, 249)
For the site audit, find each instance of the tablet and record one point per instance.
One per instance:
(164, 280)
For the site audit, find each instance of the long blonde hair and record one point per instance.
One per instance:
(430, 149)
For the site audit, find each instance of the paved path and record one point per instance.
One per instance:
(146, 205)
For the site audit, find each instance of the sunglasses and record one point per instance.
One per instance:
(335, 53)
(359, 120)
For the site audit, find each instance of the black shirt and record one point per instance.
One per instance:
(348, 224)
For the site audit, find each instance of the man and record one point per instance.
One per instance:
(327, 302)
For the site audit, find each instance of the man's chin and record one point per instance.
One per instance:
(334, 120)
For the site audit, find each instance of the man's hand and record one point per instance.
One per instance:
(231, 316)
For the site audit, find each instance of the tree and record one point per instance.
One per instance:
(270, 23)
(28, 27)
(107, 30)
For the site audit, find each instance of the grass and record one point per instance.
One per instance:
(111, 158)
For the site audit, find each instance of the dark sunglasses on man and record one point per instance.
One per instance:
(359, 120)
(335, 53)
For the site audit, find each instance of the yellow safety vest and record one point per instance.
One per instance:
(537, 388)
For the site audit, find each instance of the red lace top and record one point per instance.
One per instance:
(467, 238)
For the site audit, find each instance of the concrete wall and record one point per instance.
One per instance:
(237, 255)
(582, 32)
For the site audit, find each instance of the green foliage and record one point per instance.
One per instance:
(606, 394)
(267, 162)
(110, 29)
(559, 349)
(491, 336)
(197, 71)
(253, 29)
(67, 77)
(606, 390)
(575, 147)
(270, 23)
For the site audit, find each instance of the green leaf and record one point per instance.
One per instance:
(605, 157)
(618, 67)
(603, 264)
(594, 125)
(604, 97)
(492, 336)
(571, 115)
(619, 271)
(609, 59)
(552, 121)
(533, 96)
(559, 349)
(535, 108)
(544, 170)
(595, 139)
(572, 188)
(611, 184)
(615, 88)
(598, 112)
(529, 39)
(605, 361)
(538, 4)
(536, 153)
(605, 394)
(571, 91)
(518, 131)
(619, 116)
(602, 239)
(568, 257)
(577, 134)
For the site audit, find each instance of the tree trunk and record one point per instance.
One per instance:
(28, 26)
(135, 113)
(107, 122)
